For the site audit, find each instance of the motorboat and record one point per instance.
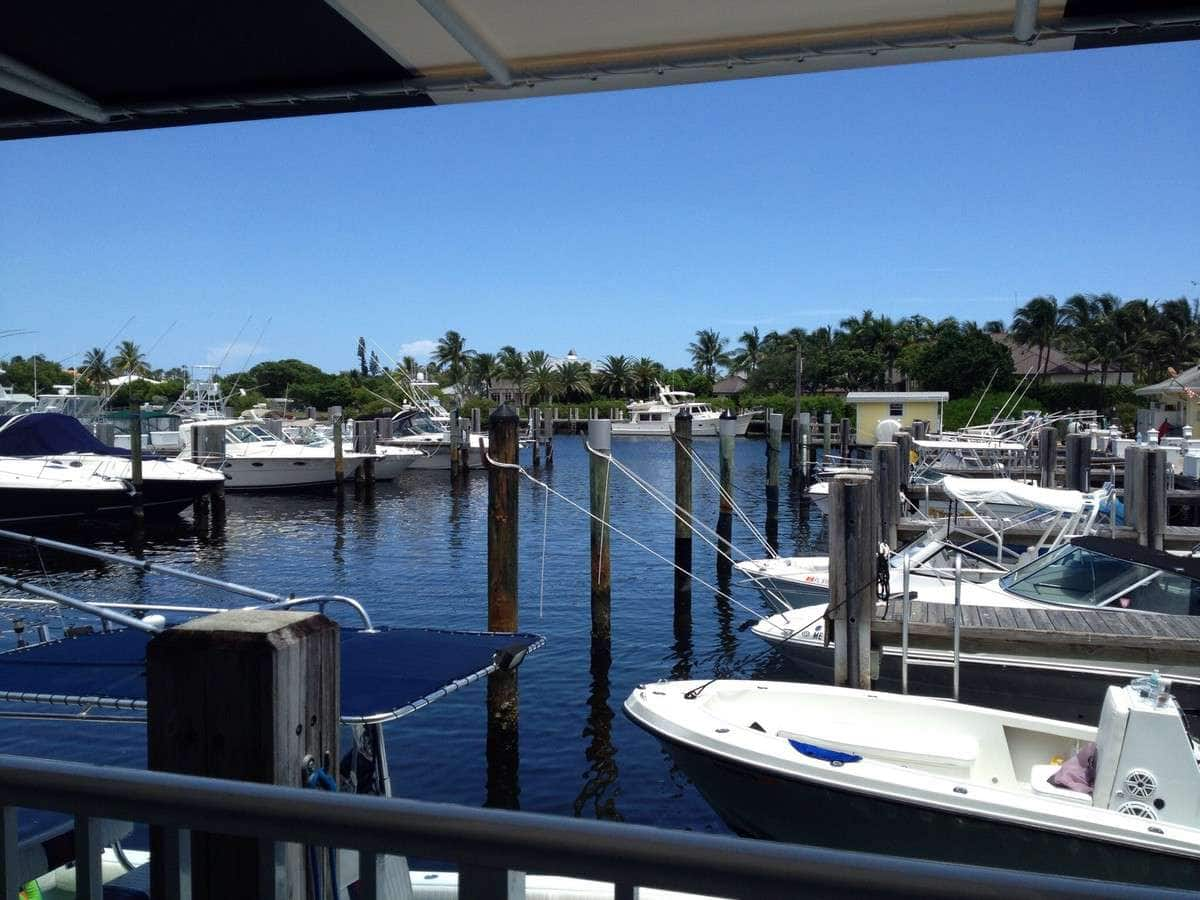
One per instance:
(646, 417)
(52, 467)
(705, 419)
(256, 460)
(980, 514)
(414, 429)
(390, 461)
(1088, 573)
(915, 776)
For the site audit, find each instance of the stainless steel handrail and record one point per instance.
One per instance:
(499, 839)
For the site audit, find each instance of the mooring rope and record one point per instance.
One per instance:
(717, 591)
(715, 481)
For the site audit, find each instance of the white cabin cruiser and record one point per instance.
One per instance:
(704, 417)
(646, 417)
(814, 764)
(416, 430)
(1089, 573)
(257, 460)
(389, 461)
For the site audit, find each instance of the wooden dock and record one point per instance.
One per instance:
(1095, 634)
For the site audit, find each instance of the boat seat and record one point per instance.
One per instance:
(1039, 780)
(901, 746)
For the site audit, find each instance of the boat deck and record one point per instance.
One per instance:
(1063, 633)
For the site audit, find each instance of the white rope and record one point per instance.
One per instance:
(720, 593)
(707, 472)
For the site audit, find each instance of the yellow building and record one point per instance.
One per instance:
(874, 408)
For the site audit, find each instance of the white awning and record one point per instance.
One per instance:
(1005, 491)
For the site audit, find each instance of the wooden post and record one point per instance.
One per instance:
(683, 500)
(1132, 480)
(1079, 462)
(106, 433)
(548, 436)
(535, 418)
(208, 449)
(455, 442)
(774, 441)
(794, 447)
(339, 464)
(135, 459)
(885, 462)
(1152, 498)
(364, 442)
(853, 549)
(275, 426)
(502, 521)
(727, 430)
(805, 451)
(904, 473)
(919, 429)
(845, 440)
(249, 695)
(826, 432)
(477, 420)
(599, 438)
(1047, 456)
(383, 428)
(464, 448)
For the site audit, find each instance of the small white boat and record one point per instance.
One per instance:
(414, 429)
(919, 777)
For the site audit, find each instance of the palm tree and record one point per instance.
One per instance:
(574, 380)
(993, 326)
(484, 370)
(708, 351)
(1077, 315)
(452, 354)
(645, 373)
(750, 354)
(615, 378)
(1036, 323)
(541, 384)
(129, 359)
(537, 358)
(95, 365)
(408, 364)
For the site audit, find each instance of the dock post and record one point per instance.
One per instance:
(106, 433)
(548, 437)
(805, 451)
(383, 428)
(1047, 456)
(455, 440)
(1079, 462)
(794, 447)
(535, 421)
(727, 429)
(477, 420)
(919, 429)
(339, 464)
(853, 549)
(599, 438)
(364, 442)
(774, 442)
(904, 473)
(845, 440)
(1152, 497)
(135, 459)
(826, 433)
(683, 519)
(885, 462)
(248, 695)
(464, 448)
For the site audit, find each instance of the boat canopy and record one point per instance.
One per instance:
(386, 674)
(48, 434)
(1007, 492)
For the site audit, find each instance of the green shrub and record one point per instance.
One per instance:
(1070, 397)
(957, 413)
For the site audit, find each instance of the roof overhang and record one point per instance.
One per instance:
(137, 65)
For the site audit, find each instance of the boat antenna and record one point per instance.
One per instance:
(154, 346)
(981, 396)
(249, 355)
(232, 343)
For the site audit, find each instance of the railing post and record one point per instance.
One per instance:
(599, 438)
(683, 521)
(853, 550)
(249, 695)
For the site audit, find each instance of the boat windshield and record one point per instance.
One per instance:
(248, 434)
(1076, 576)
(418, 424)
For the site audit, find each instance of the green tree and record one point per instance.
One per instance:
(129, 359)
(749, 353)
(362, 355)
(645, 373)
(1036, 324)
(452, 354)
(95, 366)
(615, 376)
(708, 351)
(575, 381)
(541, 384)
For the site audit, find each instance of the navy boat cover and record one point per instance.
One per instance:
(386, 674)
(48, 434)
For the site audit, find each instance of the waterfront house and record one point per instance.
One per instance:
(905, 407)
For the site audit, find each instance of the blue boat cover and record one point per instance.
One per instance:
(48, 434)
(833, 757)
(386, 674)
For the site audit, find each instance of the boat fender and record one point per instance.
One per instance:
(508, 658)
(833, 757)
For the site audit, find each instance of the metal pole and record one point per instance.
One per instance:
(957, 615)
(905, 613)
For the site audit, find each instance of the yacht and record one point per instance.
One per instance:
(52, 467)
(704, 417)
(414, 429)
(646, 417)
(257, 460)
(916, 776)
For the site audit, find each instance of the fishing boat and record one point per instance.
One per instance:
(1088, 573)
(413, 428)
(980, 513)
(52, 467)
(390, 461)
(257, 460)
(920, 777)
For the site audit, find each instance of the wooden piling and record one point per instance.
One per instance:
(364, 442)
(477, 420)
(727, 431)
(844, 449)
(599, 438)
(339, 464)
(135, 459)
(794, 447)
(383, 429)
(805, 451)
(904, 473)
(1131, 479)
(885, 462)
(1047, 456)
(774, 442)
(683, 500)
(548, 437)
(502, 520)
(106, 433)
(535, 419)
(919, 429)
(455, 444)
(1078, 462)
(464, 448)
(1152, 497)
(248, 695)
(853, 551)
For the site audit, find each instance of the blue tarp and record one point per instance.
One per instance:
(48, 434)
(385, 674)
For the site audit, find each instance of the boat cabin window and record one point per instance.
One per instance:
(417, 425)
(649, 417)
(895, 410)
(1075, 576)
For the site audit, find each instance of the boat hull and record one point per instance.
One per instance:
(763, 804)
(41, 505)
(265, 473)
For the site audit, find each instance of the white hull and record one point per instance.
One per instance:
(262, 473)
(707, 426)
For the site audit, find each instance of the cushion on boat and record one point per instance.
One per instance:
(1039, 780)
(891, 745)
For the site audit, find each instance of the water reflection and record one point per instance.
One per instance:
(600, 788)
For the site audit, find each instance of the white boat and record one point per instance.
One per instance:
(986, 508)
(704, 417)
(51, 467)
(914, 776)
(257, 460)
(389, 461)
(646, 417)
(1089, 573)
(414, 429)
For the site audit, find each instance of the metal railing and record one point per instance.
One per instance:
(483, 840)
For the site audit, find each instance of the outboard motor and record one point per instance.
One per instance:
(1146, 763)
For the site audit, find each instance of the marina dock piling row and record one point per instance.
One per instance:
(683, 500)
(853, 551)
(599, 438)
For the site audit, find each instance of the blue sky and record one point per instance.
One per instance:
(616, 222)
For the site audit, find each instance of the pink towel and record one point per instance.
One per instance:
(1079, 772)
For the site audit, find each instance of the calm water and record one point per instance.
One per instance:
(416, 556)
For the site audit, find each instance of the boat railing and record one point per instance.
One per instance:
(906, 614)
(488, 843)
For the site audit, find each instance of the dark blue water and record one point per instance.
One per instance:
(416, 555)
